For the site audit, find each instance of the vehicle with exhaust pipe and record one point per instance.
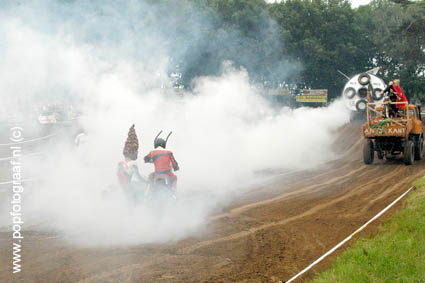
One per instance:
(361, 89)
(392, 136)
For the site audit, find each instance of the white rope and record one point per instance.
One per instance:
(26, 141)
(348, 238)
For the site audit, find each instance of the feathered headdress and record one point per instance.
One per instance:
(131, 147)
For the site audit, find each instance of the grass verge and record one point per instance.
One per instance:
(395, 254)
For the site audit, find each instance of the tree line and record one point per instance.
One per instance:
(300, 43)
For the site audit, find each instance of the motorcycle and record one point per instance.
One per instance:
(160, 187)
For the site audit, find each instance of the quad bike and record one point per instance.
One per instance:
(160, 187)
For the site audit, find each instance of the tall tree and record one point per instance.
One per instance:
(324, 36)
(400, 34)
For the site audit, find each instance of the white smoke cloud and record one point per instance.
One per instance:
(223, 134)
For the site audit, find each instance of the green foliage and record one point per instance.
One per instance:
(325, 36)
(302, 42)
(243, 32)
(396, 254)
(400, 35)
(381, 123)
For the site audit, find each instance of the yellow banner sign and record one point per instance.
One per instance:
(312, 98)
(315, 92)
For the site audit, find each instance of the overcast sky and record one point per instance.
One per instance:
(354, 3)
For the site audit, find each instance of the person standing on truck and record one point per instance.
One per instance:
(395, 94)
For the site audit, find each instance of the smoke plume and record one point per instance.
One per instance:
(112, 61)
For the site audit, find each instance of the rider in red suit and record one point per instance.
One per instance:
(400, 95)
(395, 94)
(394, 89)
(163, 160)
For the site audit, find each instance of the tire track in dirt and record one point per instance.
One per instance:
(346, 186)
(355, 192)
(315, 180)
(299, 191)
(241, 209)
(269, 235)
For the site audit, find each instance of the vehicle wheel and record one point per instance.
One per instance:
(368, 152)
(364, 79)
(380, 155)
(419, 146)
(361, 105)
(376, 94)
(350, 92)
(409, 153)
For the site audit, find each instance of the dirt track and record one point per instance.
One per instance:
(268, 236)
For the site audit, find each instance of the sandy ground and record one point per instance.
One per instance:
(269, 235)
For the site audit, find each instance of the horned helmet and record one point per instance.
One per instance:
(160, 141)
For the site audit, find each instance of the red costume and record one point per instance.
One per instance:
(128, 173)
(400, 96)
(396, 94)
(163, 160)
